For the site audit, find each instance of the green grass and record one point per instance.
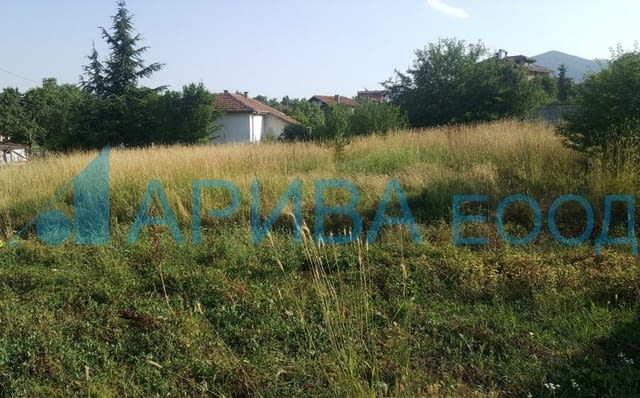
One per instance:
(228, 318)
(280, 319)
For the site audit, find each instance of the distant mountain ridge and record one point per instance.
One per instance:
(577, 67)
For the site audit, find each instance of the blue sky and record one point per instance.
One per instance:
(298, 48)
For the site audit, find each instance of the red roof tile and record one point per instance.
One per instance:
(236, 103)
(331, 99)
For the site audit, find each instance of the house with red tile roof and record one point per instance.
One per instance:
(247, 120)
(522, 61)
(325, 100)
(381, 96)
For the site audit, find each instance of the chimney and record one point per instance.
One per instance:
(502, 54)
(336, 98)
(226, 91)
(246, 94)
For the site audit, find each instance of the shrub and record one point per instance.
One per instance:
(269, 136)
(607, 123)
(373, 117)
(296, 132)
(336, 122)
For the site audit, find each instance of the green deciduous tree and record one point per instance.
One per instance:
(56, 109)
(184, 117)
(15, 121)
(496, 89)
(142, 116)
(310, 116)
(431, 90)
(607, 122)
(126, 119)
(549, 85)
(305, 112)
(273, 102)
(448, 84)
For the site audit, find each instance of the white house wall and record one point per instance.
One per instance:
(257, 125)
(234, 127)
(274, 125)
(247, 127)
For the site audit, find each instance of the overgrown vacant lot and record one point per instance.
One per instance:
(395, 318)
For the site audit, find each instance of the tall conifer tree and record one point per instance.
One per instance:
(92, 80)
(125, 65)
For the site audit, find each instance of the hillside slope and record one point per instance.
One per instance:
(577, 67)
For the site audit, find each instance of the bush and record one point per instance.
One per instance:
(373, 117)
(296, 132)
(336, 123)
(269, 136)
(342, 122)
(607, 123)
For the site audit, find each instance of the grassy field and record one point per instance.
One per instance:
(230, 318)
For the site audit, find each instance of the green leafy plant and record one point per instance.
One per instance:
(607, 122)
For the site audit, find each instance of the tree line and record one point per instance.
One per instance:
(449, 82)
(108, 107)
(337, 119)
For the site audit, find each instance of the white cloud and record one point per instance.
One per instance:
(447, 9)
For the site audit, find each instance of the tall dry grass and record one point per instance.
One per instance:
(432, 164)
